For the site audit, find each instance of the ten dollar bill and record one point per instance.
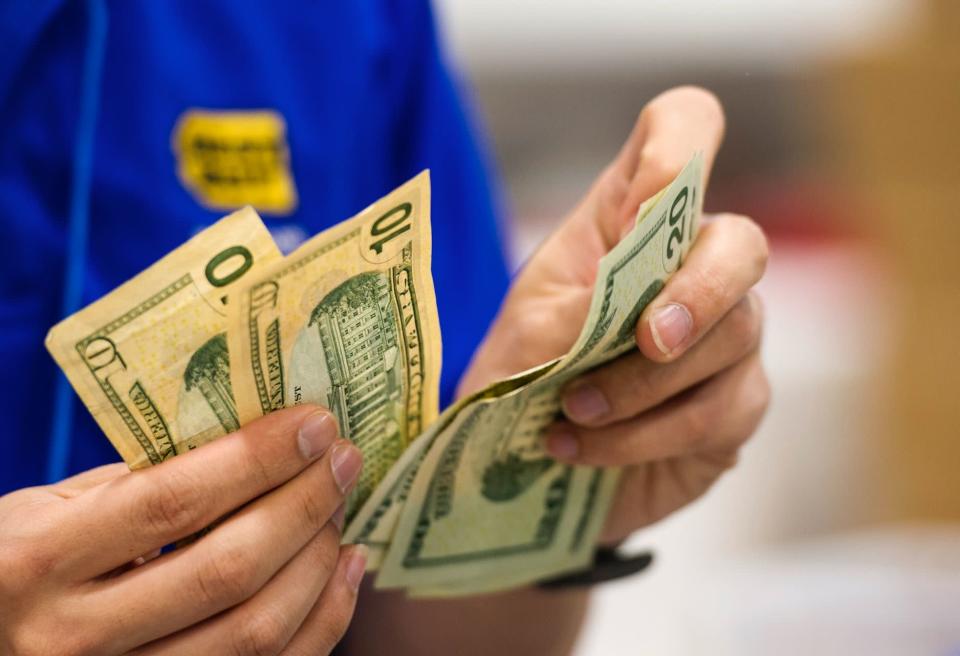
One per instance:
(150, 358)
(348, 321)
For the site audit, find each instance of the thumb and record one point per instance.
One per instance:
(670, 129)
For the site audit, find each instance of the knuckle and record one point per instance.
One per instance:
(726, 459)
(22, 643)
(81, 644)
(751, 401)
(172, 504)
(53, 636)
(760, 247)
(22, 639)
(623, 451)
(313, 504)
(328, 552)
(759, 311)
(640, 385)
(263, 633)
(709, 288)
(336, 621)
(258, 469)
(745, 327)
(29, 562)
(310, 507)
(754, 245)
(226, 578)
(760, 396)
(700, 424)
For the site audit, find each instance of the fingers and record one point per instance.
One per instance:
(670, 129)
(327, 622)
(719, 415)
(266, 622)
(633, 384)
(150, 508)
(234, 561)
(728, 258)
(647, 494)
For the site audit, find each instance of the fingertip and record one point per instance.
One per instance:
(339, 516)
(703, 101)
(585, 403)
(562, 444)
(302, 410)
(356, 565)
(280, 422)
(318, 431)
(346, 460)
(665, 333)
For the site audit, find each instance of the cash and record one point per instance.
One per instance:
(487, 507)
(348, 321)
(224, 330)
(150, 359)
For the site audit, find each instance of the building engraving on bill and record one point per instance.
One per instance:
(357, 330)
(209, 371)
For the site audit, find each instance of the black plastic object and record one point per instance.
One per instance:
(608, 565)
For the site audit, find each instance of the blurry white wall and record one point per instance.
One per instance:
(558, 35)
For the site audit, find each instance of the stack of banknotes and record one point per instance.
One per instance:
(225, 329)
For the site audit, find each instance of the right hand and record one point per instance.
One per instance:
(80, 571)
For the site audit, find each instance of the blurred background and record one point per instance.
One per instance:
(839, 532)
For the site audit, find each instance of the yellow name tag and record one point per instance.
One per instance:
(234, 158)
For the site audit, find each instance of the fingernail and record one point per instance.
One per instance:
(317, 433)
(585, 402)
(356, 566)
(670, 326)
(563, 446)
(337, 518)
(345, 462)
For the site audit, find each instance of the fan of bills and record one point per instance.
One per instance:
(225, 329)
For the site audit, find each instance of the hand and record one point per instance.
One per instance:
(675, 412)
(81, 571)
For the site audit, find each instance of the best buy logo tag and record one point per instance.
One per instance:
(233, 158)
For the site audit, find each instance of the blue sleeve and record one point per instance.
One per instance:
(435, 129)
(400, 111)
(34, 184)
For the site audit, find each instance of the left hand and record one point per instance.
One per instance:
(675, 412)
(81, 570)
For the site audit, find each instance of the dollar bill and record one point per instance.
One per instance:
(224, 330)
(150, 359)
(487, 504)
(348, 321)
(374, 524)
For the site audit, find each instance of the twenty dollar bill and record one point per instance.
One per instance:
(488, 507)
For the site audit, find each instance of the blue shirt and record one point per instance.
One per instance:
(363, 101)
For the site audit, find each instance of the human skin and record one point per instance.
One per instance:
(82, 573)
(673, 413)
